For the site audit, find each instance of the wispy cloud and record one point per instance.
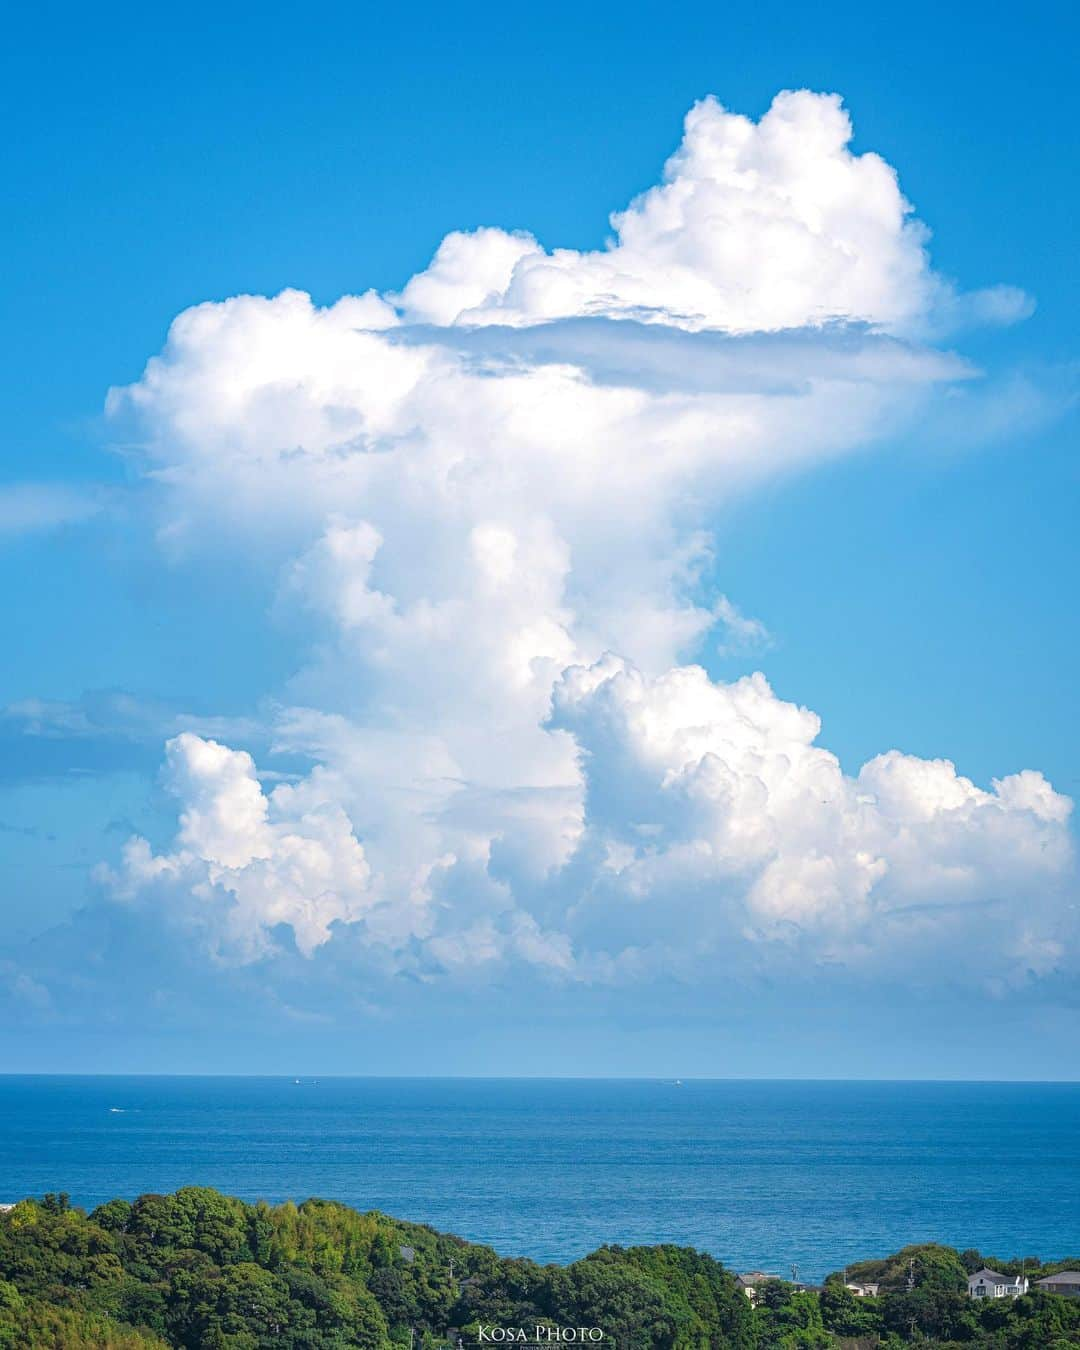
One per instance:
(28, 507)
(105, 731)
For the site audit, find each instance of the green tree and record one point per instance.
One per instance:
(847, 1315)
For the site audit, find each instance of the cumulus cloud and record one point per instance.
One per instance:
(487, 499)
(249, 861)
(720, 793)
(756, 227)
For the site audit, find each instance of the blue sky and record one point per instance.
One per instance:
(912, 576)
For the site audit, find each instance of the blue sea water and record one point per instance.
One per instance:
(760, 1174)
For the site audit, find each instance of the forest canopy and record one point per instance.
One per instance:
(205, 1271)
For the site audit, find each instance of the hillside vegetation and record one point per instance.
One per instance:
(205, 1271)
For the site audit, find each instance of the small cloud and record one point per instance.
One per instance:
(28, 507)
(990, 307)
(740, 632)
(1022, 402)
(25, 993)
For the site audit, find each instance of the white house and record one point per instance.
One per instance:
(990, 1284)
(863, 1290)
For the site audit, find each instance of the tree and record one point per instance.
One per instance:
(845, 1314)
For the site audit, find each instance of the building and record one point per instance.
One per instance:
(991, 1284)
(1066, 1282)
(749, 1282)
(863, 1290)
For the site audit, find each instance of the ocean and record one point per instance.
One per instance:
(764, 1175)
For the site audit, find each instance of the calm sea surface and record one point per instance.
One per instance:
(761, 1174)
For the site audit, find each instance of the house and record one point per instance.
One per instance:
(863, 1290)
(1066, 1282)
(991, 1284)
(749, 1282)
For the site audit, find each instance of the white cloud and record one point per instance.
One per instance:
(740, 631)
(247, 861)
(755, 227)
(721, 792)
(473, 491)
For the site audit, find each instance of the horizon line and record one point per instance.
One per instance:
(539, 1078)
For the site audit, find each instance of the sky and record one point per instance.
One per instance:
(539, 543)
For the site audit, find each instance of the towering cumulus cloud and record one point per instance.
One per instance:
(486, 500)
